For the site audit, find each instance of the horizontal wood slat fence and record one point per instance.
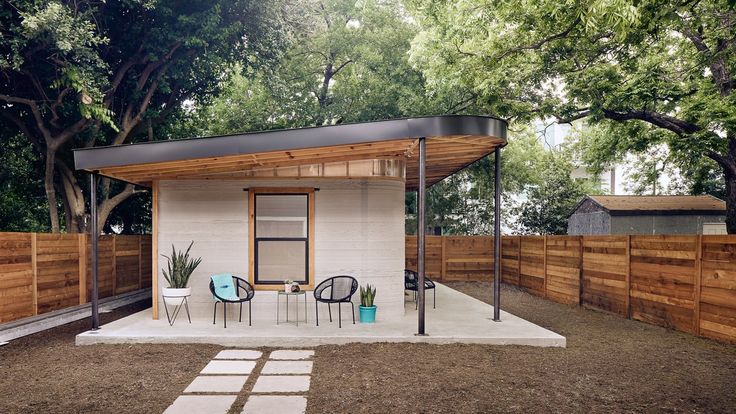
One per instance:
(41, 273)
(686, 283)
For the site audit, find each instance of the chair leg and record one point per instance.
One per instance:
(240, 319)
(316, 311)
(434, 298)
(353, 306)
(214, 315)
(339, 315)
(224, 312)
(329, 309)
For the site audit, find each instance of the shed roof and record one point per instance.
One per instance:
(452, 142)
(658, 204)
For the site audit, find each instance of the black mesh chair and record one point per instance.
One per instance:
(244, 292)
(411, 283)
(337, 289)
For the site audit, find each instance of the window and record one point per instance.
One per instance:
(282, 228)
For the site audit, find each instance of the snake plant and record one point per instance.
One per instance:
(180, 267)
(367, 295)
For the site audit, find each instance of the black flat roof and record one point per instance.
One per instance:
(92, 159)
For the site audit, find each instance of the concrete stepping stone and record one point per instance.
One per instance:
(275, 404)
(291, 354)
(287, 367)
(231, 384)
(238, 354)
(281, 383)
(201, 404)
(229, 367)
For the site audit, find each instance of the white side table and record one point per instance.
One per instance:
(302, 293)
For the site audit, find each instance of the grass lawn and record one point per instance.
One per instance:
(610, 364)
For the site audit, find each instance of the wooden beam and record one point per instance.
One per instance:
(697, 284)
(34, 267)
(114, 265)
(628, 276)
(154, 249)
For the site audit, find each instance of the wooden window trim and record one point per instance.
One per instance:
(252, 227)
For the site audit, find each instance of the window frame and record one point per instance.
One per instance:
(253, 239)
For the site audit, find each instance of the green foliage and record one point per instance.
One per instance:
(180, 267)
(367, 295)
(652, 72)
(22, 200)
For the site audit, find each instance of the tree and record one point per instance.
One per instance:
(654, 71)
(86, 73)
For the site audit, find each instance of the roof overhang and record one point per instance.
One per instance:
(452, 142)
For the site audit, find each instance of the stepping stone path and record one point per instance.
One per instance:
(280, 388)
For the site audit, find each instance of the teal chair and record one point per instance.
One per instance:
(227, 288)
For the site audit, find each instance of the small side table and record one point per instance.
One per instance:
(182, 304)
(295, 294)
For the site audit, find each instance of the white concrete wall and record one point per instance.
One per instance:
(359, 231)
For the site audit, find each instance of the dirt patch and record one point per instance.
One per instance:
(47, 373)
(610, 365)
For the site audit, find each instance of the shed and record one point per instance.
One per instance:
(301, 204)
(631, 214)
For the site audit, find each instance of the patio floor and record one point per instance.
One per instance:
(458, 318)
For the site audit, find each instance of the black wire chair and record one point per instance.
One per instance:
(411, 283)
(240, 285)
(337, 289)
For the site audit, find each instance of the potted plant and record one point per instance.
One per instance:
(287, 285)
(367, 308)
(179, 269)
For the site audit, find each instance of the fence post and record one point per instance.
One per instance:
(628, 277)
(518, 266)
(443, 255)
(140, 261)
(544, 264)
(34, 267)
(114, 266)
(82, 268)
(698, 279)
(581, 240)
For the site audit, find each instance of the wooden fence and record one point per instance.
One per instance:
(40, 273)
(686, 283)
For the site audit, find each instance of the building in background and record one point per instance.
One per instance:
(554, 135)
(613, 214)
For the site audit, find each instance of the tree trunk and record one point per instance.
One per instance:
(48, 183)
(730, 202)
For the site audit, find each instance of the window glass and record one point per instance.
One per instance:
(281, 215)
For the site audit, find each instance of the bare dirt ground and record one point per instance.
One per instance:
(610, 365)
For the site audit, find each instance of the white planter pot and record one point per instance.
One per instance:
(287, 287)
(175, 296)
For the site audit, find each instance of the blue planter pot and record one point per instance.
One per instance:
(368, 314)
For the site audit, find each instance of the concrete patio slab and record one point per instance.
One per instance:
(281, 383)
(275, 404)
(228, 384)
(238, 354)
(458, 318)
(229, 367)
(201, 404)
(287, 367)
(291, 354)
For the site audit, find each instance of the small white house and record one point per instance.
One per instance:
(300, 204)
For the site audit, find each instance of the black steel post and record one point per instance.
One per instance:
(421, 228)
(497, 238)
(94, 235)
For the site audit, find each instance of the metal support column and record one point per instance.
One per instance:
(93, 237)
(497, 237)
(421, 228)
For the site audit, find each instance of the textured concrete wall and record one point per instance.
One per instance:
(359, 231)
